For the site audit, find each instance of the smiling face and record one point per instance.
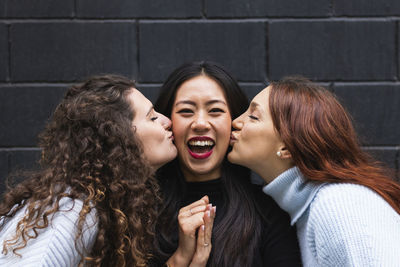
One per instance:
(255, 141)
(153, 130)
(201, 122)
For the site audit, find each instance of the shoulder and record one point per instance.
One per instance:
(349, 203)
(352, 222)
(337, 198)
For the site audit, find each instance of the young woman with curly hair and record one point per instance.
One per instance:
(94, 200)
(300, 139)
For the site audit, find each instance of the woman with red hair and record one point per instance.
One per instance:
(301, 141)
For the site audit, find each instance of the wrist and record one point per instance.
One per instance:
(178, 260)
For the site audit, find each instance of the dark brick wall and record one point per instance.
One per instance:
(352, 47)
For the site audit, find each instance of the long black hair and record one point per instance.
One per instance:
(239, 228)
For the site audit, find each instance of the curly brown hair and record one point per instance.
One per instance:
(90, 152)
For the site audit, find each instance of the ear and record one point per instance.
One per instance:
(285, 153)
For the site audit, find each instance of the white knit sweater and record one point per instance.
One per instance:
(55, 245)
(338, 224)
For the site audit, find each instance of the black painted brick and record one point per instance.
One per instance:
(24, 113)
(375, 110)
(139, 9)
(366, 8)
(3, 169)
(21, 160)
(3, 52)
(149, 91)
(385, 155)
(252, 90)
(238, 46)
(267, 8)
(71, 51)
(37, 8)
(333, 50)
(2, 9)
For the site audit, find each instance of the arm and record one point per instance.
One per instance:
(353, 226)
(44, 250)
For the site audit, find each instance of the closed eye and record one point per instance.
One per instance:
(153, 118)
(253, 117)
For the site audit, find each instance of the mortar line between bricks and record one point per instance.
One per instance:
(396, 165)
(137, 50)
(9, 52)
(74, 15)
(203, 9)
(396, 48)
(332, 7)
(67, 84)
(10, 149)
(215, 20)
(383, 147)
(267, 49)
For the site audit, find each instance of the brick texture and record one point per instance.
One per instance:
(267, 8)
(71, 51)
(366, 8)
(351, 47)
(234, 45)
(3, 169)
(334, 50)
(375, 110)
(139, 9)
(3, 52)
(25, 112)
(37, 8)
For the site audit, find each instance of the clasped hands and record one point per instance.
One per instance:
(195, 230)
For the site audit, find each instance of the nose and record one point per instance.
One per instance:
(165, 122)
(237, 123)
(200, 122)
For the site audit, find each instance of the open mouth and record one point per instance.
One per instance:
(200, 147)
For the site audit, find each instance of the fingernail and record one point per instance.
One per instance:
(202, 227)
(209, 206)
(208, 213)
(215, 209)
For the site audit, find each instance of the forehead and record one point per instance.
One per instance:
(262, 97)
(200, 88)
(139, 102)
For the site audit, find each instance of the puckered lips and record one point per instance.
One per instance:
(200, 147)
(233, 139)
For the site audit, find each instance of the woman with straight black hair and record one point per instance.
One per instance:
(249, 228)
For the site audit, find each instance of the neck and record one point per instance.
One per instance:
(199, 177)
(270, 172)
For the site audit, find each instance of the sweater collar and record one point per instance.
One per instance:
(292, 192)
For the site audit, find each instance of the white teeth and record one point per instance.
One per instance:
(201, 143)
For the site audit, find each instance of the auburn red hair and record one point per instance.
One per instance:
(320, 136)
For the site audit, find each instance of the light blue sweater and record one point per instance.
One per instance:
(55, 245)
(338, 224)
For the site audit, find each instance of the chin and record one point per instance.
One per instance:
(231, 158)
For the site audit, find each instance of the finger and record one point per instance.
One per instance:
(189, 225)
(208, 223)
(203, 201)
(195, 210)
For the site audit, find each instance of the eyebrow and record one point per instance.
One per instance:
(150, 110)
(189, 102)
(254, 105)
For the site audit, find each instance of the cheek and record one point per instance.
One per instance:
(224, 128)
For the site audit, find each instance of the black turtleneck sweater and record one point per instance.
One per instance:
(278, 245)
